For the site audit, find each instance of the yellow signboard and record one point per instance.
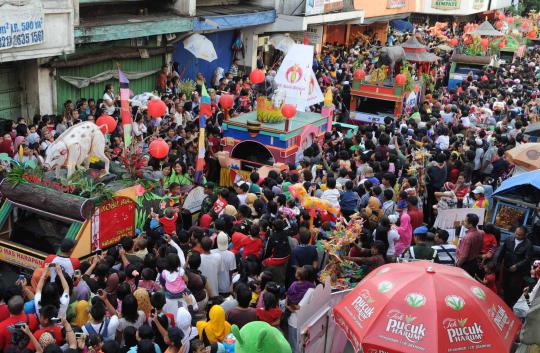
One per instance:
(20, 257)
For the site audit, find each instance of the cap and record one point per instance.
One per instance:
(421, 230)
(478, 190)
(402, 204)
(154, 224)
(222, 241)
(67, 245)
(210, 185)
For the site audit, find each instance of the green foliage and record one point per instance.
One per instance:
(406, 70)
(88, 188)
(429, 82)
(187, 87)
(474, 49)
(15, 175)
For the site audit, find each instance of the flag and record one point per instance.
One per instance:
(206, 108)
(125, 113)
(199, 166)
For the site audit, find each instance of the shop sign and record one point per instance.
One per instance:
(111, 221)
(446, 4)
(314, 35)
(317, 7)
(396, 4)
(19, 258)
(21, 26)
(478, 4)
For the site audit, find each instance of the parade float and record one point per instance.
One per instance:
(477, 52)
(95, 205)
(378, 94)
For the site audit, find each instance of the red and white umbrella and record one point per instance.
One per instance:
(425, 307)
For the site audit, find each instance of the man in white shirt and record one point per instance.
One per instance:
(331, 194)
(228, 263)
(211, 266)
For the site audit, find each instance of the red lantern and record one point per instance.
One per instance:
(510, 20)
(525, 25)
(156, 108)
(501, 16)
(499, 24)
(484, 78)
(288, 111)
(454, 42)
(501, 44)
(359, 75)
(158, 149)
(226, 101)
(484, 43)
(401, 79)
(106, 123)
(531, 34)
(256, 76)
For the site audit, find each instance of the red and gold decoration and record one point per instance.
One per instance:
(257, 76)
(157, 108)
(288, 111)
(106, 123)
(158, 149)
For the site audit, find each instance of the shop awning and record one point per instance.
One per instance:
(525, 187)
(287, 23)
(387, 18)
(402, 25)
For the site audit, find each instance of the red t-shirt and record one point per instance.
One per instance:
(252, 246)
(490, 243)
(417, 216)
(237, 238)
(4, 312)
(56, 331)
(268, 315)
(169, 225)
(460, 194)
(5, 335)
(490, 282)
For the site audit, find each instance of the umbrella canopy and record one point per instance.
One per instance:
(281, 42)
(526, 155)
(425, 307)
(486, 29)
(524, 187)
(533, 130)
(402, 25)
(201, 47)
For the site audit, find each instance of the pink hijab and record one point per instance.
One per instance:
(405, 233)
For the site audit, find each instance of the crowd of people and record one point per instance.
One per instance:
(251, 255)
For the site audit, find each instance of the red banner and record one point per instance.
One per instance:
(111, 221)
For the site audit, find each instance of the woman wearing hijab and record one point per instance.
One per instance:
(183, 322)
(82, 315)
(405, 233)
(143, 300)
(216, 328)
(373, 212)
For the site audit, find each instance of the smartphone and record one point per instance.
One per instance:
(19, 325)
(52, 265)
(80, 335)
(55, 320)
(21, 277)
(77, 273)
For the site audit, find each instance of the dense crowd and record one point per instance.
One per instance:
(179, 287)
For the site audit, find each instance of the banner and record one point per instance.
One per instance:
(294, 75)
(396, 4)
(478, 4)
(446, 4)
(366, 118)
(21, 26)
(111, 221)
(314, 91)
(125, 112)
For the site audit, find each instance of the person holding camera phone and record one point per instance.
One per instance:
(17, 317)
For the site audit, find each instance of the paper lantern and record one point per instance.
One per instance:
(484, 43)
(156, 108)
(501, 44)
(499, 24)
(484, 78)
(359, 75)
(531, 34)
(510, 20)
(288, 111)
(226, 101)
(454, 42)
(106, 123)
(525, 25)
(401, 79)
(257, 76)
(501, 16)
(158, 148)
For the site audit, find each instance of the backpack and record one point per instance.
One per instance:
(102, 331)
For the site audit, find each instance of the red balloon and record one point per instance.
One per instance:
(257, 76)
(158, 149)
(359, 75)
(288, 110)
(484, 42)
(401, 79)
(525, 25)
(156, 108)
(226, 101)
(454, 42)
(106, 123)
(510, 20)
(499, 24)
